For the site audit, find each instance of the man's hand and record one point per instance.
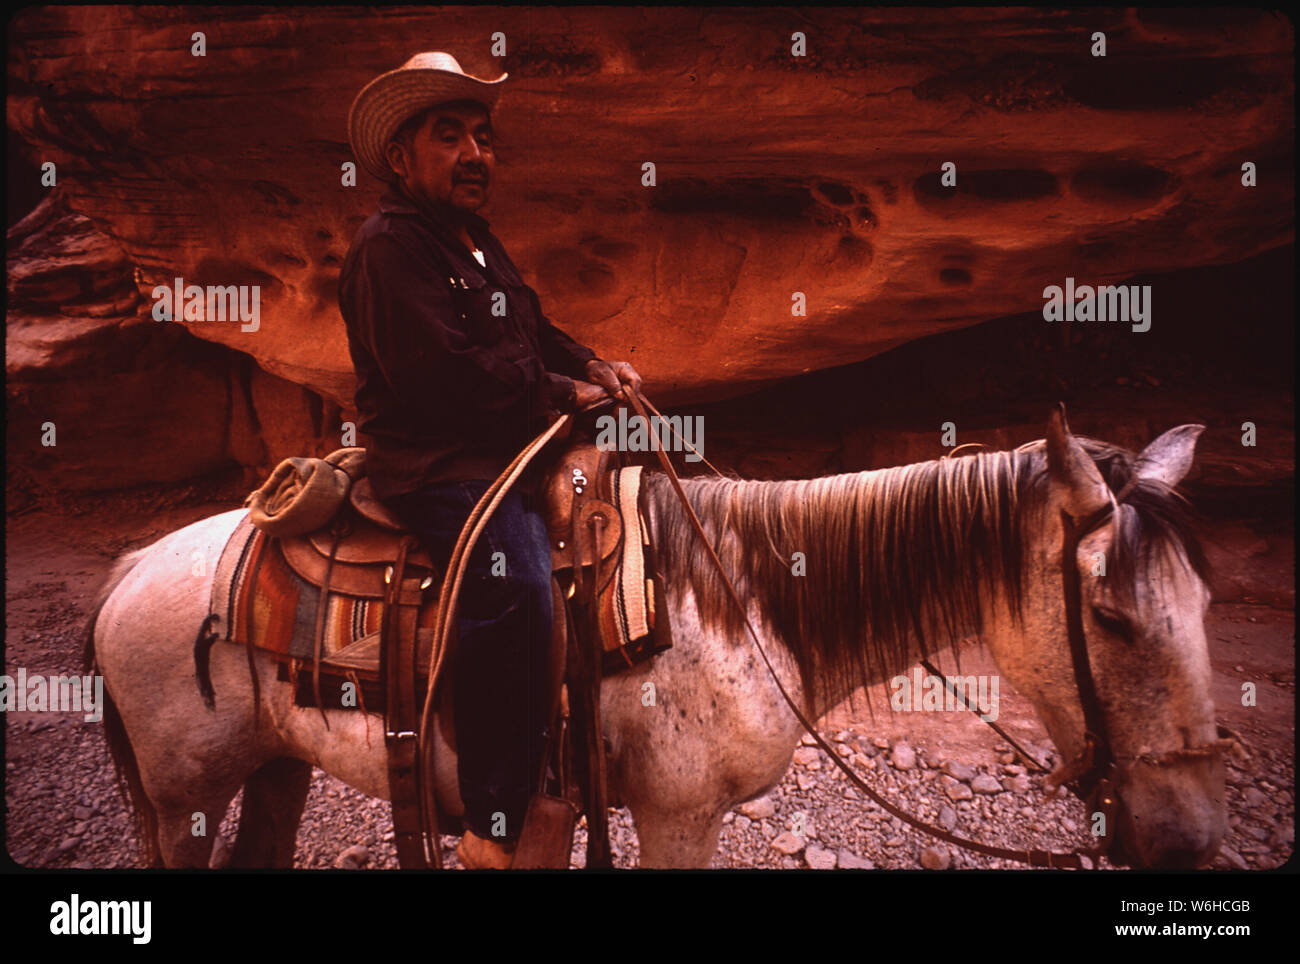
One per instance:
(613, 376)
(588, 394)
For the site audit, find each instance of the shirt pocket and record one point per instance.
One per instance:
(498, 316)
(473, 300)
(523, 316)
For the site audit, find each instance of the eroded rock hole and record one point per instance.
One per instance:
(1121, 181)
(1011, 184)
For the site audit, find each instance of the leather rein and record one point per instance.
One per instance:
(1091, 776)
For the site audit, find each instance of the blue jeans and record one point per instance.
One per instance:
(501, 659)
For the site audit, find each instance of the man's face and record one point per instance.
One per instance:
(450, 158)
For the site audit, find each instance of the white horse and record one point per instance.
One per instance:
(900, 563)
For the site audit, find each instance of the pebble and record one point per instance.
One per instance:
(1233, 858)
(984, 783)
(808, 740)
(903, 757)
(69, 844)
(1018, 784)
(807, 756)
(788, 843)
(956, 790)
(760, 809)
(82, 813)
(935, 858)
(848, 860)
(819, 859)
(729, 816)
(959, 771)
(948, 818)
(1252, 797)
(880, 743)
(354, 858)
(743, 822)
(1069, 825)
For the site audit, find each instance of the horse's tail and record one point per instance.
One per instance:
(119, 747)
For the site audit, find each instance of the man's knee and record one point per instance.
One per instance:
(518, 576)
(528, 583)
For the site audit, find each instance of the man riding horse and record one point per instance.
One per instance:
(457, 370)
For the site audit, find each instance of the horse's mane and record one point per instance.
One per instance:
(892, 563)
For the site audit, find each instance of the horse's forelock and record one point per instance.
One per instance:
(1154, 523)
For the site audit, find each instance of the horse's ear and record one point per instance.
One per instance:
(1169, 458)
(1083, 489)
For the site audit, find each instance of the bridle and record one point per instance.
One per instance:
(1093, 775)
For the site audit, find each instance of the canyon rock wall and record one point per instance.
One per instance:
(775, 174)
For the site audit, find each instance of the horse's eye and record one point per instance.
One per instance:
(1113, 623)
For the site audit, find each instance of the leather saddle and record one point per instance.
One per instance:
(576, 487)
(356, 552)
(369, 538)
(369, 534)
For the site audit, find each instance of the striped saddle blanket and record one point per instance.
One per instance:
(262, 603)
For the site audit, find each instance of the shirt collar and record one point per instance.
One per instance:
(393, 201)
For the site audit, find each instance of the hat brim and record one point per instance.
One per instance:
(391, 99)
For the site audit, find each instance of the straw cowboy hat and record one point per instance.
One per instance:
(390, 99)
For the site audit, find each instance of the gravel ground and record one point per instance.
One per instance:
(63, 809)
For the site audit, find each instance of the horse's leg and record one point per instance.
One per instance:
(189, 759)
(274, 797)
(178, 841)
(715, 733)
